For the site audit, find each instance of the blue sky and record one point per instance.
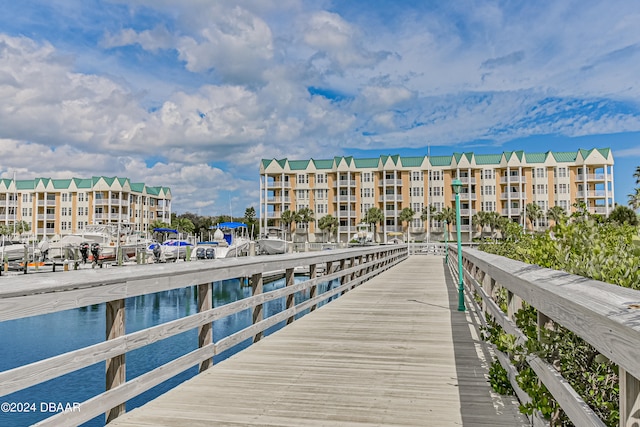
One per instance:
(191, 94)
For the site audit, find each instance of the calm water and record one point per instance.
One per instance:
(28, 340)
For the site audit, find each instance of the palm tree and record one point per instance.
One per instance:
(557, 214)
(481, 220)
(183, 225)
(634, 200)
(493, 218)
(427, 215)
(305, 216)
(406, 215)
(328, 223)
(287, 218)
(636, 175)
(447, 214)
(533, 213)
(373, 217)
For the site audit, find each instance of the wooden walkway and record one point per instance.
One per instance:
(393, 352)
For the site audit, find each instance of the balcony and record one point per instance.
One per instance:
(602, 210)
(112, 202)
(465, 196)
(279, 184)
(590, 177)
(591, 194)
(277, 199)
(514, 212)
(345, 183)
(467, 180)
(389, 182)
(512, 195)
(346, 214)
(345, 198)
(467, 212)
(513, 179)
(392, 197)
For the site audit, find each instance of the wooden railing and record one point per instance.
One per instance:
(605, 315)
(26, 296)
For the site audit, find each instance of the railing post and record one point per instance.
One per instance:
(256, 289)
(205, 332)
(313, 290)
(629, 399)
(291, 300)
(115, 367)
(343, 278)
(514, 304)
(353, 275)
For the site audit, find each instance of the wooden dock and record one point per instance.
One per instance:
(393, 351)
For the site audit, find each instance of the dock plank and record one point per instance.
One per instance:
(392, 352)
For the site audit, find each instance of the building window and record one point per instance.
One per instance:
(488, 174)
(435, 175)
(417, 176)
(540, 172)
(366, 177)
(321, 178)
(303, 178)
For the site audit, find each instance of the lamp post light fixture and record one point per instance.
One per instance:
(456, 184)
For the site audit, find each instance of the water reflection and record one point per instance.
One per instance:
(29, 340)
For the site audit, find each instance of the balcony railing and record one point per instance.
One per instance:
(278, 184)
(345, 183)
(590, 177)
(467, 180)
(388, 182)
(513, 195)
(285, 199)
(465, 196)
(591, 193)
(513, 179)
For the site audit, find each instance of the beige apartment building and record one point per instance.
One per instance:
(347, 187)
(64, 206)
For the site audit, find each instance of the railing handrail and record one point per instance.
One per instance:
(19, 298)
(603, 314)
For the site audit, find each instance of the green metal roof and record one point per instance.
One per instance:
(440, 160)
(367, 163)
(488, 159)
(138, 187)
(298, 165)
(416, 161)
(567, 156)
(323, 164)
(61, 183)
(535, 157)
(412, 162)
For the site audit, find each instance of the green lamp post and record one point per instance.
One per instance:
(456, 184)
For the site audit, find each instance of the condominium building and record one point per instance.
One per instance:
(347, 187)
(53, 207)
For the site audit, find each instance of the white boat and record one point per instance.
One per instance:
(11, 250)
(231, 239)
(274, 242)
(108, 237)
(170, 250)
